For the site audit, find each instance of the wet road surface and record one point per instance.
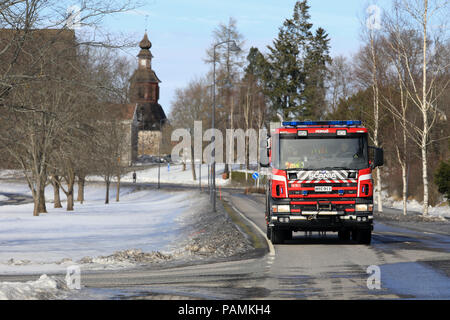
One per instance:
(412, 264)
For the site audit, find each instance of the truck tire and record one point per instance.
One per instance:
(363, 236)
(276, 236)
(344, 235)
(269, 232)
(287, 235)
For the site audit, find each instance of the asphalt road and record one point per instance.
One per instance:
(412, 264)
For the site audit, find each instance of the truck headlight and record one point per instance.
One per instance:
(361, 207)
(284, 208)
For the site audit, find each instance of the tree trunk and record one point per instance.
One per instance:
(81, 182)
(194, 177)
(425, 112)
(56, 195)
(424, 169)
(41, 195)
(402, 163)
(107, 190)
(35, 208)
(70, 187)
(405, 189)
(376, 118)
(70, 200)
(118, 189)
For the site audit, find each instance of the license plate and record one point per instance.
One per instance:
(323, 189)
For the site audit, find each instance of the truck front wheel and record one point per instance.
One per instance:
(276, 236)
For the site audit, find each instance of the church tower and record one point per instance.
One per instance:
(144, 90)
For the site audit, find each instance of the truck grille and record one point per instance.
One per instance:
(300, 192)
(334, 185)
(350, 188)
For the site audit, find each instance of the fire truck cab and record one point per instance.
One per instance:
(320, 180)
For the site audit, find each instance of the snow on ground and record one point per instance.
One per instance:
(17, 187)
(11, 174)
(414, 205)
(172, 174)
(43, 288)
(442, 210)
(146, 220)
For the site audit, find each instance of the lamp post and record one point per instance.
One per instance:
(159, 151)
(233, 48)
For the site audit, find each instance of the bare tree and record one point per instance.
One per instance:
(229, 65)
(422, 83)
(191, 104)
(39, 56)
(339, 81)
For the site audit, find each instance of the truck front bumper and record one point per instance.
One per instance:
(322, 222)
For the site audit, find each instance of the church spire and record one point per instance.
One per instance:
(145, 56)
(145, 43)
(144, 89)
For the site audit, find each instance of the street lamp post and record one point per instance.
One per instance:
(159, 151)
(234, 48)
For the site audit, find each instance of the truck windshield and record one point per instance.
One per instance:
(321, 153)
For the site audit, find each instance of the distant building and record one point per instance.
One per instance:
(144, 92)
(126, 117)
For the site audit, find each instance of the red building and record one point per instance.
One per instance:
(144, 90)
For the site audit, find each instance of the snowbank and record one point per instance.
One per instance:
(443, 210)
(43, 288)
(414, 205)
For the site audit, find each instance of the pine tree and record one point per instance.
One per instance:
(297, 64)
(315, 68)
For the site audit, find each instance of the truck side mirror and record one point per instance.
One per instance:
(264, 153)
(378, 160)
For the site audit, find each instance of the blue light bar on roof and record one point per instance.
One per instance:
(322, 123)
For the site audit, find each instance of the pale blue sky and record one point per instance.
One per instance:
(181, 30)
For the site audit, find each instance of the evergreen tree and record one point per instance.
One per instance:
(316, 71)
(257, 67)
(296, 55)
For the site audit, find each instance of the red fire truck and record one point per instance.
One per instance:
(321, 180)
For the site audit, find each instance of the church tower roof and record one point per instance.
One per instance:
(145, 43)
(145, 46)
(144, 89)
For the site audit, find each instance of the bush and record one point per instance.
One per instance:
(442, 179)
